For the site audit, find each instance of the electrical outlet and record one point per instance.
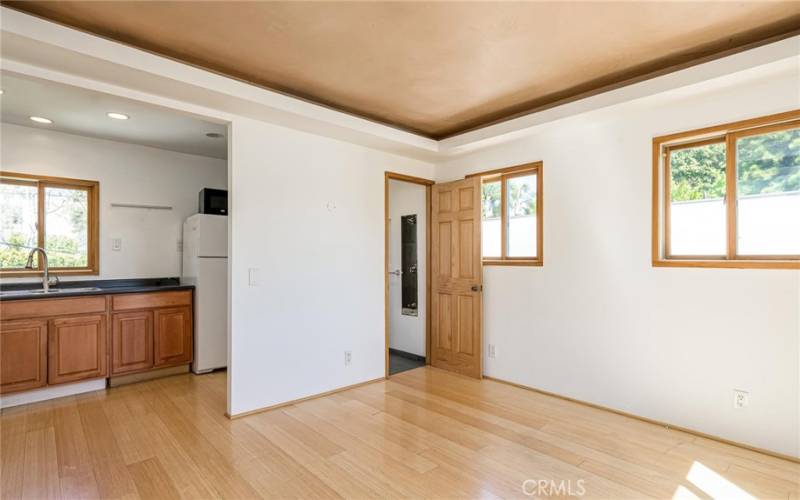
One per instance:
(116, 244)
(348, 358)
(252, 276)
(740, 399)
(492, 352)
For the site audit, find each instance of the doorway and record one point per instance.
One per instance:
(453, 270)
(407, 272)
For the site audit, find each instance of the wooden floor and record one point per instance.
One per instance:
(424, 433)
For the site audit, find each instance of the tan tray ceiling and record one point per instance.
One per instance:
(436, 69)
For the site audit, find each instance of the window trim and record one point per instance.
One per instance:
(502, 175)
(93, 217)
(728, 133)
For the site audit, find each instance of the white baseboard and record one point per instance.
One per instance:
(52, 392)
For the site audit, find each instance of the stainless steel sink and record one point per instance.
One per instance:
(52, 291)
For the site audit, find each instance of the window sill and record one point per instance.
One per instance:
(26, 273)
(730, 264)
(513, 262)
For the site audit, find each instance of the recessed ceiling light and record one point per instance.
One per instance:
(117, 116)
(214, 135)
(39, 119)
(1, 91)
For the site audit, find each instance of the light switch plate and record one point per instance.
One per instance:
(116, 244)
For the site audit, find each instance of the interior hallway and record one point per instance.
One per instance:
(424, 433)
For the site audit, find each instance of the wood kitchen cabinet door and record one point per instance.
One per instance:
(77, 348)
(173, 336)
(131, 342)
(23, 353)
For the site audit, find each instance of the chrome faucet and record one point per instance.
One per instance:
(46, 270)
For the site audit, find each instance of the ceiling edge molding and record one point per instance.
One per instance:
(782, 50)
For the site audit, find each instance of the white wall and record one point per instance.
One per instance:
(307, 213)
(127, 173)
(407, 333)
(600, 324)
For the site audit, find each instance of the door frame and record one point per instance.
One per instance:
(427, 183)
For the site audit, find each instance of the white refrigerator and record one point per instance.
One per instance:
(205, 265)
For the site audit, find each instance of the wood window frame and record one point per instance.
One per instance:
(93, 220)
(502, 175)
(728, 134)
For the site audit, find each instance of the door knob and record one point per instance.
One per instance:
(477, 288)
(396, 272)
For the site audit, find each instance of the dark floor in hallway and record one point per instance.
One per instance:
(398, 363)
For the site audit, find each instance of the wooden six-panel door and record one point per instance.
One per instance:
(131, 342)
(456, 277)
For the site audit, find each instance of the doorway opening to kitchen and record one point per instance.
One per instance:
(121, 205)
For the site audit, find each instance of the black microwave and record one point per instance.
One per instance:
(213, 201)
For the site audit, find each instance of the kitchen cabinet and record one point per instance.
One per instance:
(169, 323)
(77, 348)
(173, 338)
(131, 341)
(23, 353)
(52, 341)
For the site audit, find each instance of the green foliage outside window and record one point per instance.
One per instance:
(62, 251)
(490, 199)
(698, 173)
(767, 163)
(521, 193)
(14, 252)
(66, 214)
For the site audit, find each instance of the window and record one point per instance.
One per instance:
(729, 196)
(511, 212)
(57, 214)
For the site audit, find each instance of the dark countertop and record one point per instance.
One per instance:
(100, 287)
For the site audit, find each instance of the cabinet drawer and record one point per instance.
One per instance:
(150, 300)
(40, 308)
